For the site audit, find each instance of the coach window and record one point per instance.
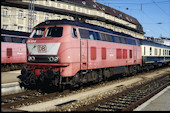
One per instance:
(156, 51)
(169, 52)
(24, 40)
(74, 33)
(16, 40)
(54, 32)
(159, 51)
(150, 51)
(7, 39)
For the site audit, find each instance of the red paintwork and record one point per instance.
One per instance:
(75, 54)
(18, 53)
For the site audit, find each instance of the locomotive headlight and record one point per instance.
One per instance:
(53, 59)
(31, 58)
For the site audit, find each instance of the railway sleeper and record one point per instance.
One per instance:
(106, 109)
(116, 104)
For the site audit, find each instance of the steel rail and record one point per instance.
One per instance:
(89, 107)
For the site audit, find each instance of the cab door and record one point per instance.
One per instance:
(84, 53)
(135, 54)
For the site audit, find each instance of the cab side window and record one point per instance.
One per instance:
(74, 33)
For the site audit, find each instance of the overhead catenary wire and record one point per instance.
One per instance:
(161, 9)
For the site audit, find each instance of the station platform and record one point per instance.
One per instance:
(10, 77)
(159, 102)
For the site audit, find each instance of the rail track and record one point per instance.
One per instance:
(9, 102)
(130, 98)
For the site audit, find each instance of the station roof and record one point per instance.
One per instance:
(104, 8)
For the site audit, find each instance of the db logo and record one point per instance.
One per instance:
(42, 49)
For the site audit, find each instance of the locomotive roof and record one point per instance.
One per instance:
(82, 24)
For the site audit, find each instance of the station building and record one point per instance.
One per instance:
(15, 15)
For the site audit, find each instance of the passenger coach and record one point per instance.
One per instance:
(13, 49)
(154, 54)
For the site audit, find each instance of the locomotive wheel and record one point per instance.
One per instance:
(75, 81)
(61, 87)
(94, 76)
(100, 75)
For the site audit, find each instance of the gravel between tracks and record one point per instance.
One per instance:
(92, 94)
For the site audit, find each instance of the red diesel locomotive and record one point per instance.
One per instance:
(64, 52)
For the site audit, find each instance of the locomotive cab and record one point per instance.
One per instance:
(51, 49)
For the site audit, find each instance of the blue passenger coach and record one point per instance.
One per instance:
(154, 54)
